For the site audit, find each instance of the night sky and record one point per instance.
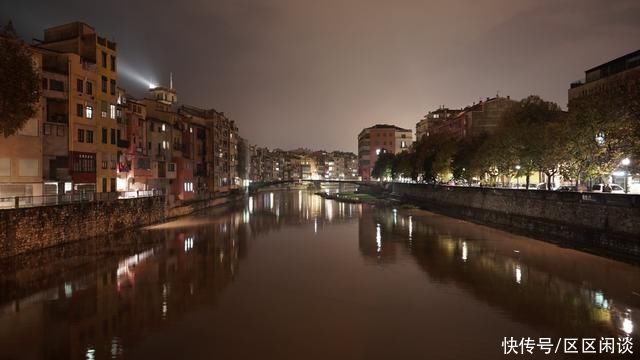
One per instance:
(307, 73)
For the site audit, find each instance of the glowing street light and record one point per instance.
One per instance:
(626, 162)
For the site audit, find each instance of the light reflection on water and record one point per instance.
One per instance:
(102, 304)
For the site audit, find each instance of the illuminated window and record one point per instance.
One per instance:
(112, 111)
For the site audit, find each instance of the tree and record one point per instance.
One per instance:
(531, 133)
(383, 166)
(604, 129)
(19, 82)
(404, 165)
(466, 164)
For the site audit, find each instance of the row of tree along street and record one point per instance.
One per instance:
(588, 143)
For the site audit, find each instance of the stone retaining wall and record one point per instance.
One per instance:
(603, 223)
(31, 229)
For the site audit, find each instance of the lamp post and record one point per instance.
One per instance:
(626, 162)
(518, 175)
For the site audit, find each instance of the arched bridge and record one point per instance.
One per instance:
(257, 185)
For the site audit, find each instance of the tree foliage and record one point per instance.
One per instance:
(19, 82)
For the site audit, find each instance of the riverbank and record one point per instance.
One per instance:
(360, 198)
(603, 224)
(27, 230)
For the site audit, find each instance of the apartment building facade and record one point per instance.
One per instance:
(377, 139)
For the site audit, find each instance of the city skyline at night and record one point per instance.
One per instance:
(324, 72)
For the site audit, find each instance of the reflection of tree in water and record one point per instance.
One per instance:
(560, 303)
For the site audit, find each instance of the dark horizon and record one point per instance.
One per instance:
(300, 74)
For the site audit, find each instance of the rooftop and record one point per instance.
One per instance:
(386, 126)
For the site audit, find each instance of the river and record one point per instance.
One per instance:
(289, 275)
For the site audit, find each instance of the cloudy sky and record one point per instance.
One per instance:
(303, 73)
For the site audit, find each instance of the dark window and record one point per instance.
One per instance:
(104, 59)
(90, 136)
(113, 87)
(104, 135)
(113, 136)
(45, 83)
(104, 84)
(80, 85)
(113, 63)
(118, 136)
(144, 163)
(113, 184)
(104, 108)
(56, 85)
(149, 145)
(104, 184)
(79, 110)
(80, 135)
(89, 88)
(84, 163)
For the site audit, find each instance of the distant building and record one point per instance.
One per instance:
(377, 139)
(473, 120)
(301, 164)
(624, 70)
(432, 119)
(485, 116)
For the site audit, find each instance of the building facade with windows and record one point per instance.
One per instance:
(93, 87)
(621, 71)
(378, 139)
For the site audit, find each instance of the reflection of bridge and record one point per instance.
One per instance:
(257, 185)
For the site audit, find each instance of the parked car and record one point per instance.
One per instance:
(615, 188)
(567, 188)
(543, 186)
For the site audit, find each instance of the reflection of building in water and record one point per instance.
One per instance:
(118, 299)
(270, 211)
(538, 286)
(376, 236)
(99, 299)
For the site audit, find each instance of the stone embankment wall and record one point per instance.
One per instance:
(31, 229)
(608, 224)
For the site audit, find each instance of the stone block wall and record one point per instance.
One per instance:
(30, 229)
(602, 223)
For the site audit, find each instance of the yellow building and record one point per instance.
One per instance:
(93, 144)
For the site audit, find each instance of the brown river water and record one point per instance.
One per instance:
(289, 275)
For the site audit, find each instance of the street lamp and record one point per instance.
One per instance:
(626, 162)
(518, 175)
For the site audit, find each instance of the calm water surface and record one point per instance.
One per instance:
(289, 275)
